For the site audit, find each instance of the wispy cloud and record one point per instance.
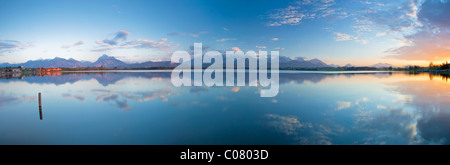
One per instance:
(144, 43)
(225, 39)
(121, 98)
(304, 132)
(431, 40)
(286, 124)
(7, 99)
(275, 39)
(424, 23)
(298, 11)
(79, 98)
(392, 19)
(121, 35)
(12, 45)
(274, 24)
(81, 42)
(347, 37)
(340, 105)
(120, 43)
(343, 37)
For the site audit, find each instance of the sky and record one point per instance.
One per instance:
(359, 32)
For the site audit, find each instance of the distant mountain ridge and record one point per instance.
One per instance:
(57, 62)
(382, 65)
(102, 61)
(112, 62)
(108, 61)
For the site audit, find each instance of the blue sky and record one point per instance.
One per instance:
(359, 32)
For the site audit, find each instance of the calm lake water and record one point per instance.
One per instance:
(145, 108)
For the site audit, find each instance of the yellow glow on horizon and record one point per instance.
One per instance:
(438, 62)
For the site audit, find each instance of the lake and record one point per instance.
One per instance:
(143, 107)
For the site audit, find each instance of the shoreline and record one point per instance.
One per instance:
(239, 70)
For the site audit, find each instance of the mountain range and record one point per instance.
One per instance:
(112, 62)
(103, 61)
(382, 65)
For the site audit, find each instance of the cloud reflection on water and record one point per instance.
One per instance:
(381, 108)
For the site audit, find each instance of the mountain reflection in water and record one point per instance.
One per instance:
(144, 108)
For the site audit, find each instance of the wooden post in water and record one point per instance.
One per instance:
(40, 106)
